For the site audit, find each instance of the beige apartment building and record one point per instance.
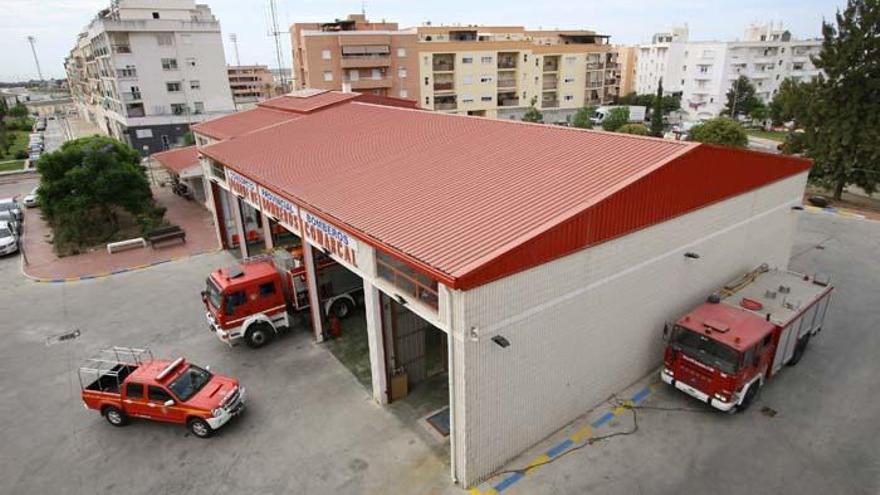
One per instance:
(627, 58)
(491, 71)
(251, 84)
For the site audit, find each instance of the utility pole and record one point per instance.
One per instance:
(33, 41)
(234, 39)
(273, 31)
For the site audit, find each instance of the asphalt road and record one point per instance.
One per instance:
(312, 428)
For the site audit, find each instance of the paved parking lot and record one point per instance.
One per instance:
(312, 428)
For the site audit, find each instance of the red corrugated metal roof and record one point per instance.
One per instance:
(308, 104)
(178, 159)
(470, 200)
(236, 124)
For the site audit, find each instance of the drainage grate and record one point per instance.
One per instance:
(440, 421)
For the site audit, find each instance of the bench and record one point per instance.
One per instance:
(126, 244)
(166, 234)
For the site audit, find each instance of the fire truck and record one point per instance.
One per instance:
(261, 296)
(724, 351)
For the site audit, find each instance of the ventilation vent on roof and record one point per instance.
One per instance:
(783, 289)
(234, 271)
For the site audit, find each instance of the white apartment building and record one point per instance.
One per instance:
(143, 70)
(703, 71)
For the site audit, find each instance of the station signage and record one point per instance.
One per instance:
(330, 238)
(284, 211)
(243, 187)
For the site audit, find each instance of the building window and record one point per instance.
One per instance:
(325, 54)
(401, 52)
(195, 85)
(486, 98)
(401, 72)
(172, 87)
(155, 15)
(404, 93)
(143, 133)
(467, 60)
(569, 97)
(165, 39)
(328, 75)
(467, 79)
(199, 107)
(178, 108)
(413, 283)
(426, 81)
(169, 64)
(568, 79)
(466, 98)
(485, 79)
(427, 100)
(486, 60)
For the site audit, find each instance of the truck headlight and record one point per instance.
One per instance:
(217, 412)
(722, 398)
(668, 371)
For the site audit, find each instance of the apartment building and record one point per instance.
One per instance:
(627, 58)
(703, 71)
(251, 84)
(367, 57)
(492, 71)
(144, 70)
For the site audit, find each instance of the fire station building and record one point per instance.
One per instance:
(537, 263)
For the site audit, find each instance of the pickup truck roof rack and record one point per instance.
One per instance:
(112, 362)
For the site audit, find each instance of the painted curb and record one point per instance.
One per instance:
(574, 440)
(135, 268)
(834, 211)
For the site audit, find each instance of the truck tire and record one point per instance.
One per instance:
(799, 350)
(341, 308)
(115, 416)
(199, 427)
(751, 393)
(258, 335)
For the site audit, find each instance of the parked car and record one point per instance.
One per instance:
(123, 383)
(8, 238)
(30, 200)
(10, 209)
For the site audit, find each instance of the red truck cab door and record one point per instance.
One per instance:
(157, 397)
(134, 402)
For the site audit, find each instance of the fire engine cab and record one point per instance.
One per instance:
(724, 351)
(260, 296)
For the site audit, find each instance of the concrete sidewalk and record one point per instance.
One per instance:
(44, 266)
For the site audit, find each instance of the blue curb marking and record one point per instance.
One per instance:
(566, 444)
(56, 280)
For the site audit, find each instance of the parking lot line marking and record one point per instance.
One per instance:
(602, 420)
(581, 434)
(508, 482)
(538, 461)
(562, 447)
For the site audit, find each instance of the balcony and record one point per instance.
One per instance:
(365, 61)
(135, 110)
(595, 66)
(126, 73)
(508, 100)
(507, 82)
(445, 102)
(382, 82)
(131, 96)
(444, 86)
(507, 61)
(612, 65)
(551, 64)
(549, 82)
(554, 103)
(594, 84)
(443, 62)
(121, 49)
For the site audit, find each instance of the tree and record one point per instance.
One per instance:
(759, 113)
(842, 120)
(18, 111)
(790, 102)
(582, 120)
(616, 118)
(722, 130)
(637, 129)
(657, 112)
(87, 185)
(189, 139)
(741, 98)
(669, 103)
(532, 114)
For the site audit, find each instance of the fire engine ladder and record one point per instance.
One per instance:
(111, 362)
(743, 282)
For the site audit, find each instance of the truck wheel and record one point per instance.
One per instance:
(115, 416)
(258, 335)
(799, 350)
(199, 427)
(751, 393)
(341, 308)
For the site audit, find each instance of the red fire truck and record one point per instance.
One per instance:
(724, 351)
(123, 382)
(258, 297)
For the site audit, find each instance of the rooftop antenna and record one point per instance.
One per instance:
(273, 12)
(33, 41)
(234, 39)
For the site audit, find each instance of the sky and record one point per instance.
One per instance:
(55, 23)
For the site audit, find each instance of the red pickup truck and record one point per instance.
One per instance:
(123, 383)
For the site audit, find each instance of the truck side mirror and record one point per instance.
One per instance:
(204, 296)
(666, 331)
(169, 402)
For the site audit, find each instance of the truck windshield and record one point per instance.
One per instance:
(705, 350)
(213, 293)
(190, 382)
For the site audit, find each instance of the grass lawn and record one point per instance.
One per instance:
(6, 166)
(774, 135)
(19, 142)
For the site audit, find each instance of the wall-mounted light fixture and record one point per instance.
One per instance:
(692, 255)
(501, 341)
(798, 207)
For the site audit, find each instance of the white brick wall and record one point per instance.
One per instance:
(587, 325)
